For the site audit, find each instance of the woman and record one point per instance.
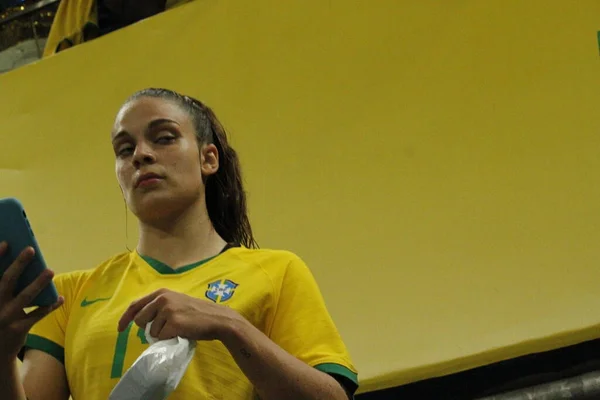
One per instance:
(258, 316)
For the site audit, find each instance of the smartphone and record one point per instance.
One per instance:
(16, 231)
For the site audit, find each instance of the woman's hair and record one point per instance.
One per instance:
(225, 195)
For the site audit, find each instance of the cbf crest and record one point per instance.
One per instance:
(221, 290)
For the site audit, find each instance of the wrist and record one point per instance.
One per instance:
(231, 328)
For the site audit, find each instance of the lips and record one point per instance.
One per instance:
(145, 178)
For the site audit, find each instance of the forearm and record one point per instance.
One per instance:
(275, 373)
(10, 384)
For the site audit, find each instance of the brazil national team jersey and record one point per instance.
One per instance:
(274, 290)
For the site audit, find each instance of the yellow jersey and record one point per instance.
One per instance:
(274, 290)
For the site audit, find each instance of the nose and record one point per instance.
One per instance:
(143, 155)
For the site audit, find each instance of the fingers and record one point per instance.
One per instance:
(9, 280)
(168, 331)
(135, 308)
(38, 314)
(27, 295)
(158, 324)
(147, 313)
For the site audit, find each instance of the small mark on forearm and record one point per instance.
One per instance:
(245, 353)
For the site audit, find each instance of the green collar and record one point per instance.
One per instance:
(164, 269)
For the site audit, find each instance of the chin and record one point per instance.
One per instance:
(158, 205)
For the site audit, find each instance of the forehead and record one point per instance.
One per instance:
(137, 114)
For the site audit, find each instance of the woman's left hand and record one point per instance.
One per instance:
(176, 314)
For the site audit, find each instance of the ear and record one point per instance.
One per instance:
(209, 159)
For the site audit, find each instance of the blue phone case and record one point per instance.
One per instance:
(16, 231)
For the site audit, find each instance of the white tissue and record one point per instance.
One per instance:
(157, 371)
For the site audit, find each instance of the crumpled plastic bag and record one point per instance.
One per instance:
(157, 371)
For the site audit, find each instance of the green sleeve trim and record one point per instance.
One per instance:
(47, 346)
(340, 370)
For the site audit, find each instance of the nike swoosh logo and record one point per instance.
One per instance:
(86, 303)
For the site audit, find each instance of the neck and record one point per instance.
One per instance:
(181, 239)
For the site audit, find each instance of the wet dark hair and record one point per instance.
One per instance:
(225, 195)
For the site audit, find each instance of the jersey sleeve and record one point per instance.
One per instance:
(48, 335)
(304, 328)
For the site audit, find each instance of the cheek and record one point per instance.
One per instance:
(122, 176)
(190, 172)
(188, 166)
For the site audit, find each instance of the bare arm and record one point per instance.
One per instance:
(44, 377)
(275, 373)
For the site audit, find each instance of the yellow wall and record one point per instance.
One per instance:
(436, 163)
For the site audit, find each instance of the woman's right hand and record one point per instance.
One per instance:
(15, 323)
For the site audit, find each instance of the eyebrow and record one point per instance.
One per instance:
(152, 125)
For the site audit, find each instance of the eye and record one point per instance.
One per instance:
(165, 139)
(125, 150)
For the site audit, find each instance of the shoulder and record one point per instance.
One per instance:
(278, 264)
(266, 258)
(70, 283)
